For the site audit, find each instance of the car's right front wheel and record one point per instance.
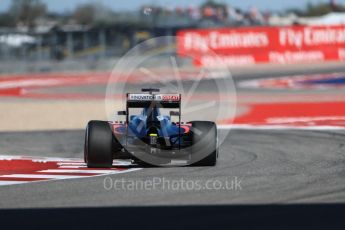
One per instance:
(204, 143)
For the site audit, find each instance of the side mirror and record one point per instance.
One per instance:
(174, 113)
(122, 113)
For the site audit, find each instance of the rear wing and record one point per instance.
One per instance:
(142, 100)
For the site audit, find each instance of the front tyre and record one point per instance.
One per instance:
(205, 141)
(98, 148)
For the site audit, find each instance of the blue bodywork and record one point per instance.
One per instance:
(148, 122)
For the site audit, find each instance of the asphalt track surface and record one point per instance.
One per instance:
(269, 166)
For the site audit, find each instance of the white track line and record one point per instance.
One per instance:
(12, 182)
(79, 171)
(123, 171)
(69, 163)
(67, 166)
(72, 167)
(40, 176)
(40, 158)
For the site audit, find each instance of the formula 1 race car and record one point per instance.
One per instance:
(149, 137)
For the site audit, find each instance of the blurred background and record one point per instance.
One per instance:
(40, 35)
(56, 56)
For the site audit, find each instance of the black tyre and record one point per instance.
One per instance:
(98, 149)
(205, 141)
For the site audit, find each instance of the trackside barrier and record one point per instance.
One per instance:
(253, 45)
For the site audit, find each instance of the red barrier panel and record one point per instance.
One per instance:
(262, 44)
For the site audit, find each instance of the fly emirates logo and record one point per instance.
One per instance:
(311, 37)
(220, 40)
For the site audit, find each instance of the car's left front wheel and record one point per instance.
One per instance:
(98, 148)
